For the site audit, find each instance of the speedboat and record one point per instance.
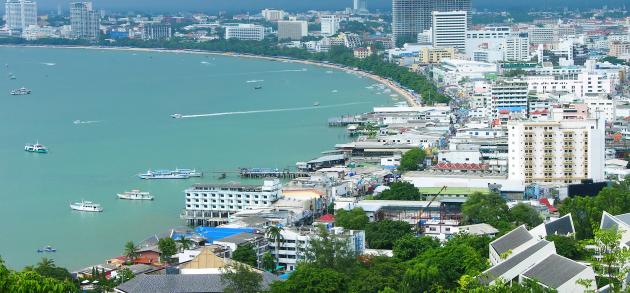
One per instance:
(86, 206)
(176, 116)
(258, 87)
(316, 104)
(35, 148)
(135, 195)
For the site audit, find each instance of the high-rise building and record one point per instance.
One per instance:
(411, 17)
(156, 31)
(516, 48)
(20, 14)
(247, 32)
(360, 6)
(272, 14)
(509, 95)
(330, 25)
(556, 152)
(292, 29)
(84, 21)
(449, 29)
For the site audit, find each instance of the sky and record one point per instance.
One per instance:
(301, 5)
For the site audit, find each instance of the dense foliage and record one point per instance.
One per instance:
(269, 47)
(587, 211)
(240, 278)
(246, 254)
(491, 208)
(410, 246)
(383, 234)
(31, 281)
(412, 160)
(400, 191)
(168, 248)
(354, 219)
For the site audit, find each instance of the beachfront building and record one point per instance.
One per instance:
(156, 31)
(329, 25)
(292, 29)
(435, 55)
(449, 29)
(244, 31)
(411, 17)
(557, 152)
(20, 14)
(213, 204)
(84, 21)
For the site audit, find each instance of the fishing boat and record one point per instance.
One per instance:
(36, 148)
(163, 174)
(135, 195)
(20, 92)
(86, 206)
(176, 116)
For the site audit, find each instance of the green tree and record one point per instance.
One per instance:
(240, 278)
(376, 273)
(477, 243)
(274, 233)
(246, 254)
(525, 214)
(184, 243)
(614, 258)
(168, 248)
(29, 281)
(383, 234)
(410, 246)
(419, 277)
(355, 219)
(400, 191)
(412, 159)
(452, 262)
(314, 279)
(125, 275)
(131, 250)
(268, 262)
(47, 268)
(489, 208)
(568, 247)
(329, 250)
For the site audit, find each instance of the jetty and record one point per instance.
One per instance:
(345, 121)
(271, 173)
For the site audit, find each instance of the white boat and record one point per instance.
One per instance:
(176, 116)
(86, 206)
(135, 195)
(316, 104)
(189, 172)
(163, 174)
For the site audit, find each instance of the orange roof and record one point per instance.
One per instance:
(327, 218)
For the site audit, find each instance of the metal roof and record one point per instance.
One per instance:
(503, 267)
(554, 271)
(562, 226)
(511, 240)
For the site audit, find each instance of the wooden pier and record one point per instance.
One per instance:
(344, 121)
(271, 173)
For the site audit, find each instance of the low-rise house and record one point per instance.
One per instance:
(510, 244)
(562, 226)
(509, 269)
(561, 274)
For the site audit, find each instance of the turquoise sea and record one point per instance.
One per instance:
(128, 98)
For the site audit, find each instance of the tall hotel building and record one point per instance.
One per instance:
(411, 17)
(449, 29)
(19, 14)
(245, 31)
(84, 21)
(556, 152)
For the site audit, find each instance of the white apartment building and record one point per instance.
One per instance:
(485, 42)
(602, 108)
(329, 25)
(556, 152)
(510, 95)
(272, 14)
(294, 247)
(34, 32)
(212, 204)
(515, 48)
(292, 29)
(156, 31)
(449, 29)
(85, 21)
(583, 85)
(245, 31)
(20, 14)
(541, 35)
(452, 71)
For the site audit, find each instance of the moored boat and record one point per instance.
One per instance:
(189, 172)
(86, 206)
(20, 92)
(36, 148)
(163, 174)
(135, 195)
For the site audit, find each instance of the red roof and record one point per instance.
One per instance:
(327, 218)
(545, 201)
(460, 166)
(504, 111)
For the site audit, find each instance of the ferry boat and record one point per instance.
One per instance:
(163, 174)
(189, 172)
(20, 92)
(35, 148)
(176, 116)
(135, 195)
(86, 206)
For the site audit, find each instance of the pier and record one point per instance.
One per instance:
(344, 121)
(271, 173)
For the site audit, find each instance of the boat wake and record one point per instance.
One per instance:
(270, 110)
(205, 63)
(255, 80)
(85, 122)
(49, 64)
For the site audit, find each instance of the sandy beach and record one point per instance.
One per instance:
(409, 97)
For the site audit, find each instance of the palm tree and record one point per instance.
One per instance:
(184, 242)
(46, 263)
(275, 233)
(131, 250)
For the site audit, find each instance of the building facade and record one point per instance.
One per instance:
(242, 31)
(329, 25)
(360, 6)
(449, 29)
(434, 55)
(156, 31)
(272, 14)
(411, 17)
(292, 29)
(557, 152)
(84, 21)
(516, 48)
(510, 95)
(20, 14)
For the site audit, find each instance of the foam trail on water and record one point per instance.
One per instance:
(270, 110)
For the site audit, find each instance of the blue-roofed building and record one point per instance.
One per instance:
(214, 233)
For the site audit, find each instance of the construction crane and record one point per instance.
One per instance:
(426, 208)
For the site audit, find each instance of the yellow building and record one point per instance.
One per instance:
(434, 55)
(362, 53)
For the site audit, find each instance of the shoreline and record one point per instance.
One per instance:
(409, 97)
